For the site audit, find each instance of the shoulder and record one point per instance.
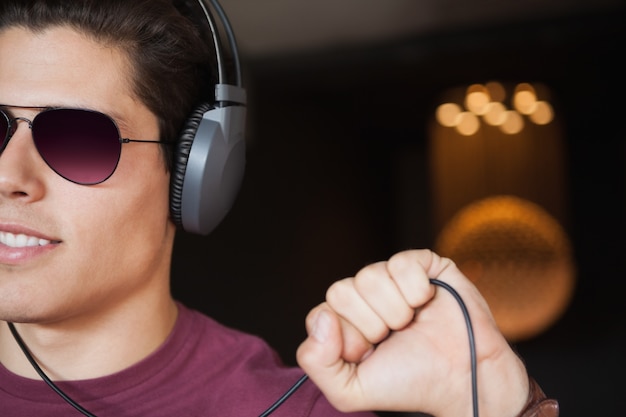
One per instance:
(220, 346)
(246, 374)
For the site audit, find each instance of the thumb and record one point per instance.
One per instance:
(320, 356)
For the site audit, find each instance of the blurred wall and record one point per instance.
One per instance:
(337, 177)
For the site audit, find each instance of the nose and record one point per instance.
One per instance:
(20, 164)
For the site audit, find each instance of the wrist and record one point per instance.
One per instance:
(537, 404)
(503, 387)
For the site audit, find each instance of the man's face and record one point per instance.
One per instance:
(109, 244)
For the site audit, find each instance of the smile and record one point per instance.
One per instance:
(21, 240)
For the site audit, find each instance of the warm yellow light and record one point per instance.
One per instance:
(467, 123)
(525, 101)
(513, 123)
(495, 114)
(496, 91)
(448, 113)
(476, 102)
(476, 99)
(524, 87)
(542, 114)
(518, 256)
(488, 102)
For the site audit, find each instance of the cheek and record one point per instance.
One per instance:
(141, 183)
(143, 207)
(125, 236)
(131, 206)
(130, 210)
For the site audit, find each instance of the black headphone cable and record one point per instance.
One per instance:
(291, 390)
(43, 375)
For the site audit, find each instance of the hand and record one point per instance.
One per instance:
(387, 339)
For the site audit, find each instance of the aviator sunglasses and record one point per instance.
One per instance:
(83, 146)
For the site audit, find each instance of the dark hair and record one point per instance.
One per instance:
(170, 53)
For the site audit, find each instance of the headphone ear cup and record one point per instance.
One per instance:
(209, 167)
(181, 156)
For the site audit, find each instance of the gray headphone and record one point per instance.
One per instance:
(209, 160)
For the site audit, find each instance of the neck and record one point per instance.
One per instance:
(90, 347)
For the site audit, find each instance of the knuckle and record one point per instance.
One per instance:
(400, 262)
(378, 333)
(340, 292)
(401, 319)
(368, 277)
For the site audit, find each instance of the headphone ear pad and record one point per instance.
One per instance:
(181, 157)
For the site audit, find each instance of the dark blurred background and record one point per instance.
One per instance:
(342, 103)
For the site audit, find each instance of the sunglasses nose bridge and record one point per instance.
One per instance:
(13, 126)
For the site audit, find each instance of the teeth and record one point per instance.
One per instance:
(21, 240)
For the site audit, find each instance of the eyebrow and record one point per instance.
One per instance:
(14, 106)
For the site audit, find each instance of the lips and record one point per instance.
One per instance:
(21, 246)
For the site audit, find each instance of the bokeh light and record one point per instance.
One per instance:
(476, 99)
(518, 256)
(487, 103)
(495, 114)
(467, 123)
(447, 114)
(513, 123)
(542, 114)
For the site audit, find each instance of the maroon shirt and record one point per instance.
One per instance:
(202, 369)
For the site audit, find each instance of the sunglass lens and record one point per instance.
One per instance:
(4, 128)
(80, 145)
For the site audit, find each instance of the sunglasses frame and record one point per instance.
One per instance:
(12, 129)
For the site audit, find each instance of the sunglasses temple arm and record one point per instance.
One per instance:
(127, 140)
